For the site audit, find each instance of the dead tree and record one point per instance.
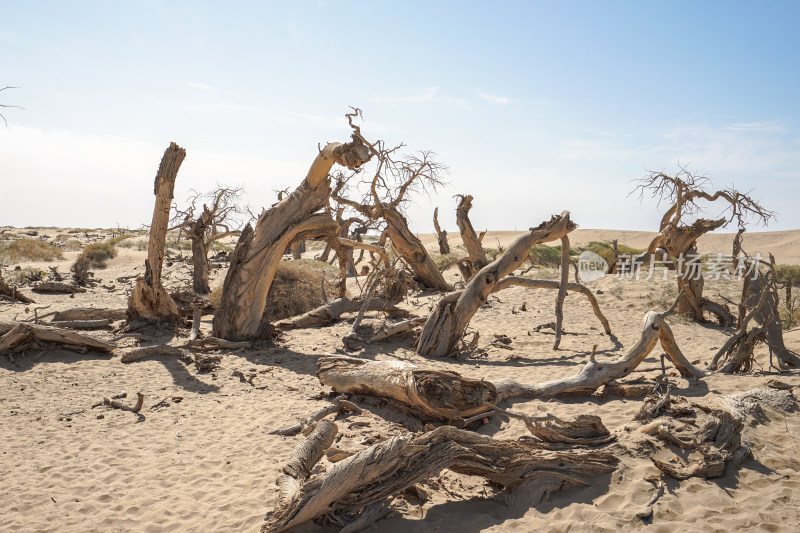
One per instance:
(388, 187)
(12, 292)
(211, 224)
(2, 117)
(678, 239)
(476, 253)
(255, 259)
(760, 301)
(354, 486)
(452, 314)
(441, 235)
(435, 395)
(149, 300)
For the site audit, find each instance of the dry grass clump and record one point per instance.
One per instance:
(119, 240)
(27, 275)
(97, 254)
(29, 250)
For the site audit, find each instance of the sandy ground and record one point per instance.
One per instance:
(199, 458)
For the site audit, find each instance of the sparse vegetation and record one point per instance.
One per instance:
(28, 275)
(606, 250)
(29, 250)
(117, 241)
(543, 255)
(97, 254)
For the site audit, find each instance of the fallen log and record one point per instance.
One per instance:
(134, 354)
(214, 343)
(81, 324)
(12, 292)
(55, 287)
(17, 334)
(331, 311)
(89, 313)
(391, 466)
(444, 395)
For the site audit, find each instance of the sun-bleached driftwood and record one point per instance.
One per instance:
(215, 343)
(18, 334)
(81, 324)
(444, 395)
(89, 313)
(475, 251)
(117, 404)
(397, 328)
(339, 405)
(134, 354)
(391, 466)
(258, 253)
(149, 300)
(325, 314)
(441, 235)
(451, 316)
(56, 287)
(12, 292)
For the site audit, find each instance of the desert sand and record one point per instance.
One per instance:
(198, 457)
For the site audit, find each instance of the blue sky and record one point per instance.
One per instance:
(536, 107)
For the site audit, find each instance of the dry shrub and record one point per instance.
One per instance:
(297, 289)
(118, 240)
(27, 275)
(29, 250)
(97, 254)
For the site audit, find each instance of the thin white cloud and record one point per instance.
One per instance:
(502, 100)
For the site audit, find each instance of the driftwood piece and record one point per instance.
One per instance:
(81, 324)
(562, 289)
(441, 235)
(451, 316)
(55, 287)
(331, 311)
(339, 405)
(472, 242)
(443, 395)
(149, 300)
(134, 354)
(12, 292)
(15, 334)
(585, 430)
(88, 313)
(117, 404)
(214, 343)
(393, 465)
(397, 328)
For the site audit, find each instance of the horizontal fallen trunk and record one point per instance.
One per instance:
(331, 311)
(444, 395)
(213, 343)
(393, 465)
(128, 356)
(88, 313)
(17, 334)
(55, 287)
(81, 324)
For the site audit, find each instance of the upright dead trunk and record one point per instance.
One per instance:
(411, 248)
(298, 248)
(471, 240)
(255, 259)
(451, 316)
(441, 235)
(197, 235)
(562, 289)
(149, 300)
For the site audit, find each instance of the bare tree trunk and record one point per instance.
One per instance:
(562, 289)
(441, 235)
(452, 314)
(412, 249)
(149, 300)
(257, 254)
(393, 465)
(199, 256)
(471, 240)
(298, 248)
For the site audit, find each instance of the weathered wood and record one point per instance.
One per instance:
(213, 343)
(470, 239)
(89, 313)
(56, 287)
(81, 324)
(14, 334)
(391, 466)
(562, 289)
(12, 292)
(413, 251)
(441, 235)
(331, 311)
(134, 354)
(149, 300)
(440, 395)
(452, 313)
(255, 259)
